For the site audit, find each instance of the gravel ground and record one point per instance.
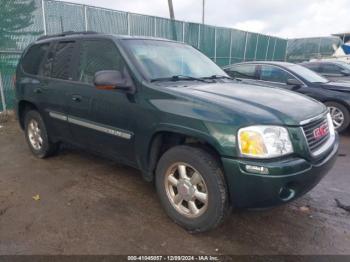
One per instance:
(90, 205)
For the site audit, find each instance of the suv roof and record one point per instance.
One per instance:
(89, 34)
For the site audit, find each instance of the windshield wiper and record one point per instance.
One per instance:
(218, 77)
(179, 78)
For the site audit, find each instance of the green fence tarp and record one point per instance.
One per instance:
(304, 49)
(31, 19)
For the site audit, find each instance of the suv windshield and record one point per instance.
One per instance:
(307, 74)
(164, 60)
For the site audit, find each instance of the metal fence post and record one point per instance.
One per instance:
(230, 59)
(85, 18)
(268, 46)
(155, 27)
(286, 52)
(44, 17)
(2, 94)
(215, 44)
(183, 32)
(245, 47)
(319, 48)
(199, 36)
(129, 23)
(274, 49)
(256, 47)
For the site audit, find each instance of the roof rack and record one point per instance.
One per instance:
(67, 33)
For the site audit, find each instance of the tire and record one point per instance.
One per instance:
(216, 207)
(45, 147)
(344, 111)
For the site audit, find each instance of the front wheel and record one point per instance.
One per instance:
(192, 188)
(340, 116)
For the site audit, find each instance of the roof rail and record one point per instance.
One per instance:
(67, 33)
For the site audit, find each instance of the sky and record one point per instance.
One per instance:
(283, 18)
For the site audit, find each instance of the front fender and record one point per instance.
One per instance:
(144, 147)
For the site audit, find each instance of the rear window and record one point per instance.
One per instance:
(313, 67)
(62, 65)
(331, 69)
(274, 74)
(242, 71)
(33, 59)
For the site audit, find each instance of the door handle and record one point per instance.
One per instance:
(38, 90)
(76, 98)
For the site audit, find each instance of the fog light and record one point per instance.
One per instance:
(257, 169)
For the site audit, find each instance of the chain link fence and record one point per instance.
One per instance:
(304, 49)
(31, 18)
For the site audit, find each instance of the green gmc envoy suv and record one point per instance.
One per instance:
(208, 142)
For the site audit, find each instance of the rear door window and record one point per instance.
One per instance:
(98, 55)
(63, 60)
(274, 74)
(243, 71)
(331, 69)
(34, 58)
(314, 67)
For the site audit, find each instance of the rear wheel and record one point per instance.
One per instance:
(37, 136)
(340, 115)
(192, 188)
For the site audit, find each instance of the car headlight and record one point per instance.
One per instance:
(264, 141)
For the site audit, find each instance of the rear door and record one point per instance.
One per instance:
(58, 74)
(31, 85)
(101, 119)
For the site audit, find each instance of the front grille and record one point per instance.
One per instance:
(309, 130)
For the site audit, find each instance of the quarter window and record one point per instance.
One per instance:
(243, 71)
(98, 55)
(33, 58)
(274, 74)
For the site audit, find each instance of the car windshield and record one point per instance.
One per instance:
(307, 74)
(171, 60)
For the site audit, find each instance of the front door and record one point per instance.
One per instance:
(101, 119)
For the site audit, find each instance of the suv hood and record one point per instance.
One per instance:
(253, 104)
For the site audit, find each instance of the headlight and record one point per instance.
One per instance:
(264, 141)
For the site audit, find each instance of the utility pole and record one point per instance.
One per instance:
(171, 9)
(172, 17)
(203, 12)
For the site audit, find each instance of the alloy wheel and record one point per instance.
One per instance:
(186, 190)
(34, 135)
(337, 116)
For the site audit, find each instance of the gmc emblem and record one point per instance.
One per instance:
(321, 131)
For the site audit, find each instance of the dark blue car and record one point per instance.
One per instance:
(335, 95)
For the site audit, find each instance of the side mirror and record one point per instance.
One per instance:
(345, 72)
(294, 82)
(111, 79)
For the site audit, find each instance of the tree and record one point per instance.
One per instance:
(15, 17)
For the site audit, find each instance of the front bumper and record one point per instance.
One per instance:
(287, 179)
